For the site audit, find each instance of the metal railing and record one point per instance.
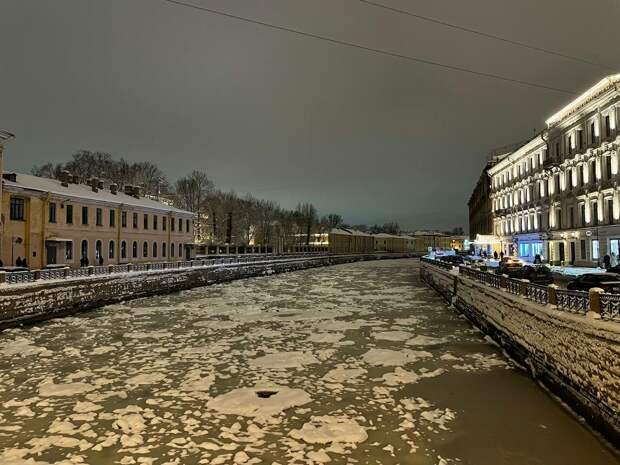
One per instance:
(57, 273)
(513, 286)
(573, 301)
(562, 299)
(610, 306)
(21, 277)
(537, 293)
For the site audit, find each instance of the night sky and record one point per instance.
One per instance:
(290, 118)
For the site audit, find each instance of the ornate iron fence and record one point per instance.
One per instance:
(610, 306)
(492, 279)
(573, 301)
(119, 268)
(78, 272)
(537, 293)
(56, 273)
(513, 286)
(19, 277)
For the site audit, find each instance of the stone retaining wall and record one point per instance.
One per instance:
(48, 299)
(574, 356)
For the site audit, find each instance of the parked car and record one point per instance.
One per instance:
(537, 274)
(509, 266)
(453, 259)
(609, 282)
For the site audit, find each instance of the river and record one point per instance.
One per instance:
(354, 364)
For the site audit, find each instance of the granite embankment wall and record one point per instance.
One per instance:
(575, 356)
(20, 303)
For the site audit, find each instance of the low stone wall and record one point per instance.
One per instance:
(47, 299)
(576, 357)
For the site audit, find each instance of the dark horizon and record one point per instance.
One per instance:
(288, 118)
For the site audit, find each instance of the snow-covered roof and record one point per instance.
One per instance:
(349, 232)
(394, 236)
(77, 192)
(428, 233)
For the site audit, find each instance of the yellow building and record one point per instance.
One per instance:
(343, 240)
(438, 241)
(52, 222)
(392, 243)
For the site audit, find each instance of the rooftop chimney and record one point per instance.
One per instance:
(94, 183)
(99, 184)
(65, 178)
(128, 189)
(113, 188)
(137, 191)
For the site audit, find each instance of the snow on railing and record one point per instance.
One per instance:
(20, 277)
(580, 302)
(573, 301)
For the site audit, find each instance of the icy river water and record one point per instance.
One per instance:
(353, 364)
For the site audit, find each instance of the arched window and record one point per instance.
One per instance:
(111, 250)
(123, 249)
(135, 250)
(163, 249)
(172, 250)
(145, 249)
(84, 249)
(98, 247)
(154, 249)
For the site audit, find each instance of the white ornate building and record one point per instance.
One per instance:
(557, 195)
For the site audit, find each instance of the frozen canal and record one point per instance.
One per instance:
(357, 364)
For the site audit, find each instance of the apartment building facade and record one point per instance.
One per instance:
(59, 222)
(557, 195)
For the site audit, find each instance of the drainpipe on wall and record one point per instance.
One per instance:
(4, 138)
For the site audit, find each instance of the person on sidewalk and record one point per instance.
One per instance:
(607, 261)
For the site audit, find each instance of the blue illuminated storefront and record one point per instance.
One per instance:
(530, 245)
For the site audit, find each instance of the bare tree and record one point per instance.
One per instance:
(307, 216)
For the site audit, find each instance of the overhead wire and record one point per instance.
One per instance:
(366, 48)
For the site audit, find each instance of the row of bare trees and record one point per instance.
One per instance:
(221, 217)
(227, 218)
(87, 165)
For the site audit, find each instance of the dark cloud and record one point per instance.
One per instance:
(291, 118)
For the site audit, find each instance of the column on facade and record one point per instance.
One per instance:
(586, 207)
(597, 167)
(614, 162)
(599, 207)
(551, 216)
(616, 204)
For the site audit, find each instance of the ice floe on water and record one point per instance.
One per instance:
(311, 367)
(259, 401)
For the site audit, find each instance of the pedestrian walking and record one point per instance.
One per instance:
(495, 255)
(607, 261)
